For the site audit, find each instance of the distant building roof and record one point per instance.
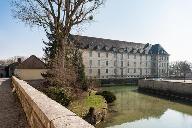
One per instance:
(158, 49)
(117, 46)
(32, 63)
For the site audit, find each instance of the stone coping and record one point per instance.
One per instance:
(43, 112)
(175, 81)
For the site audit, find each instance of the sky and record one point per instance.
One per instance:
(167, 22)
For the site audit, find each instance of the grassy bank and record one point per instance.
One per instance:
(81, 106)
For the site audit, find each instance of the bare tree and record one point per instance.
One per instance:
(180, 69)
(184, 68)
(58, 17)
(11, 60)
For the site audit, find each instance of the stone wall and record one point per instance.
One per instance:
(175, 87)
(42, 112)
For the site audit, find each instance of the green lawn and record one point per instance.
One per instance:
(81, 106)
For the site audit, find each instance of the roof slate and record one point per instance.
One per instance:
(94, 43)
(32, 63)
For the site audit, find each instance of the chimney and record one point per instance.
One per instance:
(19, 60)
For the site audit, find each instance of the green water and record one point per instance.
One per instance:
(135, 110)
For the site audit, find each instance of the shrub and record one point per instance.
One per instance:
(109, 96)
(58, 94)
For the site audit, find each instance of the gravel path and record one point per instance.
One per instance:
(11, 112)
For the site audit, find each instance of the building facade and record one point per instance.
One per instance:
(104, 59)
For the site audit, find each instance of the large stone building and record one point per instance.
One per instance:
(104, 58)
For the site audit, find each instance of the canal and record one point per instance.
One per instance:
(135, 110)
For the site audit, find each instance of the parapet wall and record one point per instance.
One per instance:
(43, 112)
(176, 87)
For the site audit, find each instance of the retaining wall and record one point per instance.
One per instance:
(175, 87)
(42, 112)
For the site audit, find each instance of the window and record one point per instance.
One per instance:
(128, 56)
(134, 56)
(115, 71)
(121, 63)
(128, 70)
(107, 55)
(128, 63)
(90, 71)
(98, 62)
(106, 63)
(98, 54)
(115, 55)
(134, 64)
(90, 62)
(134, 70)
(122, 72)
(121, 56)
(106, 70)
(146, 64)
(115, 63)
(99, 72)
(90, 53)
(146, 57)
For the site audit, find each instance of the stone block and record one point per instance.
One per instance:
(70, 122)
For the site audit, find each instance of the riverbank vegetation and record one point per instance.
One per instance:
(109, 96)
(81, 106)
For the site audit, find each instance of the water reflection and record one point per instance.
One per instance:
(135, 110)
(170, 119)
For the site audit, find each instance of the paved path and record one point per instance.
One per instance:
(11, 112)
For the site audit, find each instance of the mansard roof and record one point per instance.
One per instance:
(101, 44)
(158, 49)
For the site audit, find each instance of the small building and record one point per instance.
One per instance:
(30, 69)
(2, 71)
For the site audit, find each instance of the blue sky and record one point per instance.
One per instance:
(168, 22)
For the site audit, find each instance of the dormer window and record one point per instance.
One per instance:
(99, 47)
